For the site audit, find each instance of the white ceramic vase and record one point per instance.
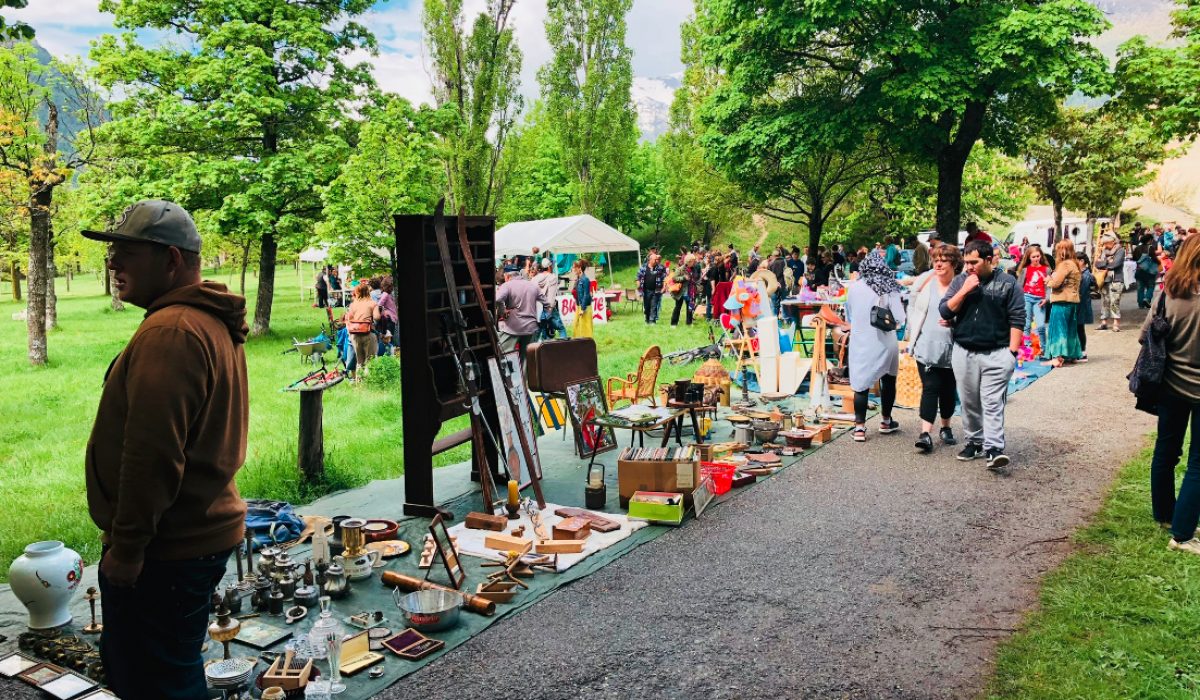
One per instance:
(44, 579)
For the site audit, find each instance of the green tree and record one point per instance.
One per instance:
(586, 87)
(1159, 82)
(15, 30)
(30, 139)
(649, 201)
(479, 75)
(934, 77)
(399, 167)
(1091, 160)
(252, 107)
(706, 202)
(538, 184)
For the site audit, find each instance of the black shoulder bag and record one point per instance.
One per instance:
(1145, 381)
(882, 318)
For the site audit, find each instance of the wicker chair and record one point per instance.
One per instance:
(638, 385)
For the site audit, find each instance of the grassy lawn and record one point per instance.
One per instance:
(1119, 619)
(48, 412)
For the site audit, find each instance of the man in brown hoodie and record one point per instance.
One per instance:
(169, 437)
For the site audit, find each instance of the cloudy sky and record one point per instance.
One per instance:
(65, 27)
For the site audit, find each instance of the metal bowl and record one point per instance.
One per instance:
(765, 430)
(430, 611)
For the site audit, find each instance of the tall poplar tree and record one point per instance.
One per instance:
(249, 107)
(586, 88)
(479, 74)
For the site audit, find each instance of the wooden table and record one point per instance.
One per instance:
(672, 421)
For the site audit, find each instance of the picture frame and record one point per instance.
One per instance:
(41, 674)
(16, 663)
(444, 547)
(586, 400)
(261, 635)
(509, 437)
(703, 495)
(101, 694)
(69, 685)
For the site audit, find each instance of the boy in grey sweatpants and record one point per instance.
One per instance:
(987, 312)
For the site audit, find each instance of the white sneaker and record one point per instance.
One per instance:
(1192, 546)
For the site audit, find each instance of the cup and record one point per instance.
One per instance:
(353, 537)
(273, 693)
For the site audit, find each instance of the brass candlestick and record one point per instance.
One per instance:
(91, 596)
(225, 629)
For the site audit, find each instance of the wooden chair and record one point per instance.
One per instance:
(633, 299)
(638, 385)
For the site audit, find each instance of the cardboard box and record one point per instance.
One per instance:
(667, 476)
(657, 507)
(768, 375)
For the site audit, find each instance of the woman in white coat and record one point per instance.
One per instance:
(874, 354)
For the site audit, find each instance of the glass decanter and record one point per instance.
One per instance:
(327, 634)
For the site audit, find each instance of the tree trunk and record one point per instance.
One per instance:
(1058, 218)
(815, 227)
(310, 457)
(39, 243)
(109, 287)
(245, 264)
(266, 284)
(16, 280)
(51, 296)
(951, 162)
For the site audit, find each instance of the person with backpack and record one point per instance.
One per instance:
(1178, 400)
(1145, 255)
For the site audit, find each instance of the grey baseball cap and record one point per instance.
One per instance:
(153, 221)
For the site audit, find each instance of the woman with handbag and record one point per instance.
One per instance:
(360, 320)
(1178, 395)
(1063, 332)
(875, 311)
(931, 344)
(1110, 274)
(682, 287)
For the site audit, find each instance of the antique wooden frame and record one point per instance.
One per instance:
(606, 437)
(444, 546)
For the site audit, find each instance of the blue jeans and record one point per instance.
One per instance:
(1173, 417)
(153, 630)
(1145, 291)
(1033, 312)
(552, 319)
(650, 304)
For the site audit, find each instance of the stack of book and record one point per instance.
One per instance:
(659, 454)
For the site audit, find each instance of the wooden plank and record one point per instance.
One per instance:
(598, 523)
(508, 543)
(560, 546)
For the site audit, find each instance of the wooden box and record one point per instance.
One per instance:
(822, 432)
(508, 543)
(483, 521)
(572, 529)
(497, 591)
(291, 677)
(357, 654)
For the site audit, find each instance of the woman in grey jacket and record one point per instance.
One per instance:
(1111, 259)
(931, 344)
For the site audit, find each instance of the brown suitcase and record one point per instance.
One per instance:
(553, 364)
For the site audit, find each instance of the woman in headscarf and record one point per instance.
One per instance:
(874, 353)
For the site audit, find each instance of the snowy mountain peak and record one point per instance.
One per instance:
(652, 98)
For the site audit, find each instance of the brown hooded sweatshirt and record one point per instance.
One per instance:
(170, 432)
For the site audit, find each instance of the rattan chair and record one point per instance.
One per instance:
(638, 385)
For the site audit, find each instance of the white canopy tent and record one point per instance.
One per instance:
(572, 234)
(315, 255)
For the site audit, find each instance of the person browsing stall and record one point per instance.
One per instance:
(987, 312)
(551, 322)
(874, 353)
(169, 438)
(361, 320)
(521, 302)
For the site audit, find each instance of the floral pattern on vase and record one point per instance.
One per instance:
(44, 579)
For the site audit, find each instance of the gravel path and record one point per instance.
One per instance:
(866, 571)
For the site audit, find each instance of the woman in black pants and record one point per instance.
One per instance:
(930, 343)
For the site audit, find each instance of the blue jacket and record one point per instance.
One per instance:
(1086, 282)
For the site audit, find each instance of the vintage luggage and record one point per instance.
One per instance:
(553, 364)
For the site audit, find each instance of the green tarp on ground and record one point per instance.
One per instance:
(563, 484)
